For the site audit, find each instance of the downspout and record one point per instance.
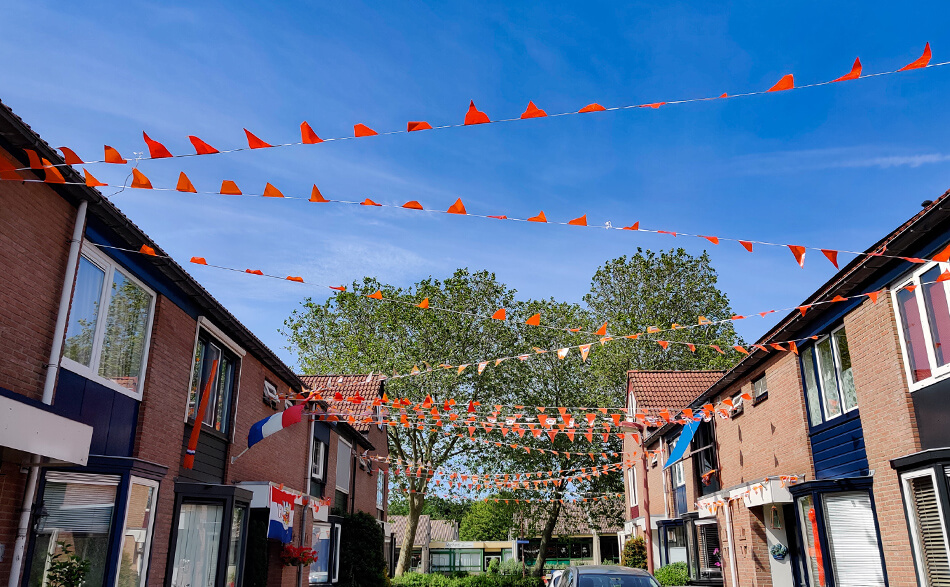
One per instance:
(49, 386)
(732, 546)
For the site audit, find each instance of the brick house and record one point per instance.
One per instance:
(840, 458)
(104, 353)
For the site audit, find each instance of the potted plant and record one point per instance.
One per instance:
(67, 569)
(294, 556)
(779, 551)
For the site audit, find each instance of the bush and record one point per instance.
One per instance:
(672, 575)
(362, 563)
(634, 553)
(483, 580)
(512, 567)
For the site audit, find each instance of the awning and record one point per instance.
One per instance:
(755, 493)
(36, 431)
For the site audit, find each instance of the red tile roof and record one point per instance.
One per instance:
(348, 386)
(674, 390)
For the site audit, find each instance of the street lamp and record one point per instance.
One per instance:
(648, 530)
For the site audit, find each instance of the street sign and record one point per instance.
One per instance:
(521, 541)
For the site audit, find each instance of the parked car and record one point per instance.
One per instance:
(606, 576)
(552, 579)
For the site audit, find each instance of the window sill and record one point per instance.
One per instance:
(758, 400)
(86, 372)
(205, 429)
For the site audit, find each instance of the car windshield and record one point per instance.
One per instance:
(592, 580)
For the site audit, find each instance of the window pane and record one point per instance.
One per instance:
(829, 383)
(845, 375)
(343, 466)
(137, 529)
(812, 542)
(935, 301)
(124, 343)
(758, 387)
(928, 527)
(852, 539)
(916, 347)
(82, 315)
(79, 513)
(234, 547)
(223, 395)
(196, 551)
(320, 542)
(811, 386)
(205, 356)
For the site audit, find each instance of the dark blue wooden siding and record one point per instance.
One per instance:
(112, 415)
(838, 448)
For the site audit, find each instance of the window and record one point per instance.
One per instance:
(270, 395)
(632, 486)
(676, 471)
(759, 390)
(921, 302)
(812, 541)
(318, 460)
(320, 542)
(111, 345)
(380, 489)
(829, 381)
(852, 539)
(343, 459)
(234, 545)
(738, 405)
(195, 563)
(139, 517)
(218, 411)
(926, 521)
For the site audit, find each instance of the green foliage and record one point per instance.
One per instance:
(435, 507)
(362, 563)
(66, 569)
(634, 553)
(492, 566)
(483, 580)
(672, 575)
(488, 520)
(512, 567)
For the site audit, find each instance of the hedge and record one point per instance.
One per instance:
(484, 580)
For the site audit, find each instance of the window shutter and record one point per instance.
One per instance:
(79, 504)
(929, 530)
(852, 539)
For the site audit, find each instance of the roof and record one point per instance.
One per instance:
(656, 390)
(428, 530)
(573, 519)
(348, 387)
(16, 135)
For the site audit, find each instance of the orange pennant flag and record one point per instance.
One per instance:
(230, 188)
(634, 226)
(582, 221)
(272, 192)
(92, 181)
(316, 196)
(52, 174)
(376, 295)
(855, 72)
(944, 276)
(140, 181)
(413, 205)
(777, 346)
(361, 130)
(793, 347)
(156, 150)
(539, 218)
(803, 309)
(663, 343)
(184, 184)
(873, 295)
(654, 105)
(475, 116)
(499, 314)
(920, 62)
(832, 256)
(199, 261)
(201, 147)
(418, 125)
(602, 331)
(799, 253)
(595, 107)
(741, 349)
(147, 250)
(307, 136)
(254, 271)
(786, 83)
(112, 156)
(534, 320)
(424, 304)
(943, 256)
(747, 245)
(338, 287)
(839, 299)
(254, 142)
(34, 159)
(713, 239)
(70, 156)
(368, 202)
(457, 208)
(533, 112)
(585, 350)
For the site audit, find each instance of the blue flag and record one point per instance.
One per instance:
(682, 443)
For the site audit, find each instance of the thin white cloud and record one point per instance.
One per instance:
(837, 158)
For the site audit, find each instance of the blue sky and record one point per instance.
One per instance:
(836, 166)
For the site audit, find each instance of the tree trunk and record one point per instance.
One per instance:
(416, 501)
(538, 569)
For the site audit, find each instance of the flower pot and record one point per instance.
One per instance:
(779, 557)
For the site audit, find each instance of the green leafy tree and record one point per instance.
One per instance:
(350, 333)
(437, 508)
(489, 520)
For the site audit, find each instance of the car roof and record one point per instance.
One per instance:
(609, 570)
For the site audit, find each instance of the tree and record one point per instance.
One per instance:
(435, 507)
(351, 333)
(489, 520)
(362, 563)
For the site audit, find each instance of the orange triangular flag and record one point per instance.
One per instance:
(803, 309)
(140, 181)
(533, 112)
(475, 116)
(296, 278)
(254, 142)
(316, 196)
(799, 253)
(307, 136)
(368, 202)
(634, 226)
(602, 331)
(413, 205)
(90, 180)
(839, 299)
(944, 276)
(873, 295)
(156, 150)
(457, 208)
(855, 72)
(147, 250)
(747, 245)
(943, 256)
(201, 147)
(376, 295)
(230, 188)
(793, 347)
(585, 349)
(920, 62)
(582, 221)
(713, 239)
(272, 192)
(52, 174)
(595, 107)
(786, 83)
(361, 130)
(539, 218)
(654, 105)
(33, 158)
(418, 125)
(112, 156)
(199, 261)
(184, 184)
(534, 320)
(70, 156)
(424, 304)
(499, 314)
(832, 256)
(663, 343)
(741, 349)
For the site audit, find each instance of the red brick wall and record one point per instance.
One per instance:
(890, 429)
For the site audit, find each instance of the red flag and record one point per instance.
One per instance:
(156, 150)
(457, 208)
(475, 116)
(786, 83)
(920, 62)
(539, 218)
(592, 108)
(499, 314)
(855, 72)
(201, 147)
(747, 245)
(534, 320)
(254, 142)
(361, 130)
(533, 112)
(582, 221)
(832, 256)
(420, 125)
(413, 205)
(799, 253)
(307, 136)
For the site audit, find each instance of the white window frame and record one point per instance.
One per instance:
(151, 522)
(632, 494)
(765, 381)
(323, 459)
(380, 495)
(346, 488)
(835, 354)
(222, 341)
(908, 506)
(109, 267)
(677, 470)
(936, 373)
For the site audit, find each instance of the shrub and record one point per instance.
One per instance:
(483, 580)
(672, 575)
(361, 552)
(512, 567)
(67, 569)
(634, 553)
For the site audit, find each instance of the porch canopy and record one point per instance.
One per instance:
(37, 431)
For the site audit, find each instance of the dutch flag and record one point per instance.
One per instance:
(272, 424)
